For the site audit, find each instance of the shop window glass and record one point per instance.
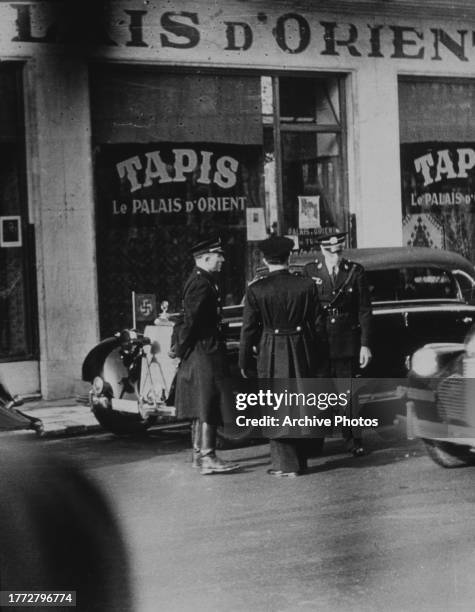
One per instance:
(148, 106)
(178, 157)
(304, 100)
(437, 147)
(311, 133)
(310, 169)
(17, 311)
(278, 140)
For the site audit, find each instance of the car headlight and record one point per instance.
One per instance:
(470, 344)
(425, 362)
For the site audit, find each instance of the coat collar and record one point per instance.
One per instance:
(201, 272)
(277, 272)
(343, 269)
(343, 265)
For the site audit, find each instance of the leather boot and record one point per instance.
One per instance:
(210, 463)
(196, 443)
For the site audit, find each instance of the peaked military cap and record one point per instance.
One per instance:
(332, 239)
(276, 246)
(212, 245)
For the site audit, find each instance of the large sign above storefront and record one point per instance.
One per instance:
(230, 30)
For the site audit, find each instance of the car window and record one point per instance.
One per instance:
(422, 283)
(466, 284)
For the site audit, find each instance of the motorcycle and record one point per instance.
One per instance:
(132, 378)
(131, 375)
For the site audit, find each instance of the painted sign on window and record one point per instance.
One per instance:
(153, 202)
(438, 195)
(168, 183)
(437, 175)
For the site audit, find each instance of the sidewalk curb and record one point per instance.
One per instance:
(62, 419)
(59, 429)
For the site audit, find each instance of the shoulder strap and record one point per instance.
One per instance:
(343, 286)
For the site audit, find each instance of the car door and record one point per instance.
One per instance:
(438, 312)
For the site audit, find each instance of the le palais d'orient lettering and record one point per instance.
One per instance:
(239, 32)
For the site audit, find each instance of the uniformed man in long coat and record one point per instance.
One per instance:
(202, 385)
(281, 312)
(343, 291)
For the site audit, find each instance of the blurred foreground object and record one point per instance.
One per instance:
(57, 532)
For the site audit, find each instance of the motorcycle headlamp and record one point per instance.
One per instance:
(425, 362)
(98, 385)
(126, 338)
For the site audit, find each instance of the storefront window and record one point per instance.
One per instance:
(311, 133)
(178, 158)
(18, 323)
(437, 135)
(181, 156)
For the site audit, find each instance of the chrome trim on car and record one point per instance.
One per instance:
(427, 308)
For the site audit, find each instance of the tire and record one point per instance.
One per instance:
(121, 423)
(448, 454)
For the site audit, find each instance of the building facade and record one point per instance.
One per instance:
(128, 130)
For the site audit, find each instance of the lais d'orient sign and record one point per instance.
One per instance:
(165, 30)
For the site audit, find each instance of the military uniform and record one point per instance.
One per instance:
(347, 306)
(200, 388)
(280, 317)
(202, 384)
(281, 312)
(347, 323)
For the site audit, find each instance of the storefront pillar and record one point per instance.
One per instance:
(377, 179)
(61, 194)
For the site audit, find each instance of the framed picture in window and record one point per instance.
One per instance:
(10, 231)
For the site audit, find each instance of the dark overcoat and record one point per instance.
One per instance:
(347, 304)
(281, 313)
(202, 384)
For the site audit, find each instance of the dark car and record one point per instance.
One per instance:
(419, 296)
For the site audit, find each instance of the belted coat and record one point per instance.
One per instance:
(202, 384)
(347, 305)
(281, 313)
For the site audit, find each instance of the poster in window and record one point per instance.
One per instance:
(256, 225)
(309, 212)
(10, 231)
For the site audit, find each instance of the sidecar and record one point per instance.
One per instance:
(132, 376)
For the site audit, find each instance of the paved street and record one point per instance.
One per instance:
(390, 531)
